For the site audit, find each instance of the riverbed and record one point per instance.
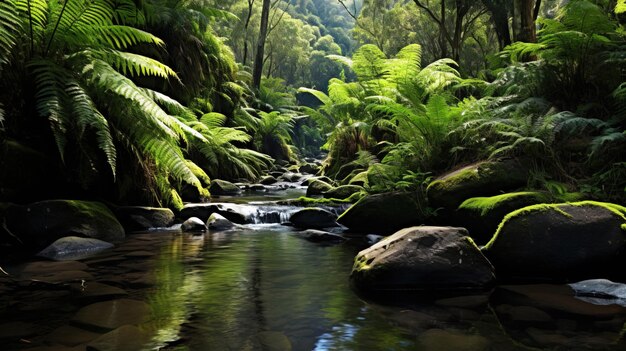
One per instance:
(262, 287)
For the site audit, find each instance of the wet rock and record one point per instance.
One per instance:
(268, 180)
(313, 218)
(438, 339)
(193, 224)
(41, 267)
(113, 314)
(257, 187)
(124, 338)
(217, 222)
(233, 212)
(423, 259)
(342, 192)
(291, 177)
(319, 236)
(523, 314)
(41, 223)
(93, 291)
(17, 330)
(136, 218)
(479, 179)
(317, 187)
(59, 277)
(383, 213)
(559, 298)
(276, 174)
(273, 341)
(222, 187)
(74, 248)
(309, 168)
(547, 338)
(600, 288)
(68, 335)
(559, 242)
(373, 238)
(470, 301)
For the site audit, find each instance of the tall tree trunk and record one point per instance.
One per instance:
(526, 31)
(500, 17)
(442, 31)
(257, 72)
(245, 29)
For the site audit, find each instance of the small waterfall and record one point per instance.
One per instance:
(260, 212)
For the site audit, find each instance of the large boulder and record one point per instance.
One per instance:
(423, 259)
(222, 187)
(342, 192)
(479, 179)
(41, 223)
(313, 218)
(317, 187)
(482, 215)
(383, 213)
(560, 242)
(309, 168)
(135, 218)
(320, 236)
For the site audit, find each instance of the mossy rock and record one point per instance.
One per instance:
(383, 213)
(560, 242)
(423, 259)
(361, 179)
(479, 179)
(343, 191)
(39, 224)
(317, 187)
(135, 218)
(310, 168)
(268, 180)
(482, 215)
(308, 181)
(222, 187)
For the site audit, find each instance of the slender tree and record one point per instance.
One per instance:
(260, 50)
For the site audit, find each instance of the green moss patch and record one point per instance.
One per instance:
(486, 204)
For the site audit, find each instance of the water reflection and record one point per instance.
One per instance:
(266, 289)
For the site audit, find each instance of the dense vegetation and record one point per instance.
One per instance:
(145, 102)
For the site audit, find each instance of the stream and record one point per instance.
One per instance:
(261, 287)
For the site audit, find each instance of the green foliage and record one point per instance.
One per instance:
(273, 135)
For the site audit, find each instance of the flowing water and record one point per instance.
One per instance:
(261, 287)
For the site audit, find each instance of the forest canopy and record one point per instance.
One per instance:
(146, 102)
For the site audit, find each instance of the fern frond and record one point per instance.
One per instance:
(135, 65)
(88, 116)
(10, 28)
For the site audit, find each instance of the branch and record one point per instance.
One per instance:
(279, 19)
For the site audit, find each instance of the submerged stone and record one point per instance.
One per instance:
(124, 338)
(439, 339)
(68, 335)
(113, 314)
(319, 236)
